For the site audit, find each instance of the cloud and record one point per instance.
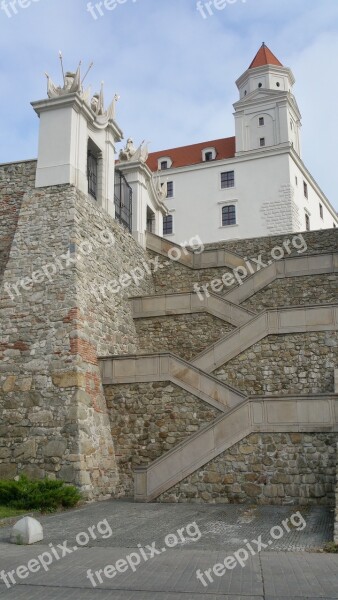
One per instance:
(174, 70)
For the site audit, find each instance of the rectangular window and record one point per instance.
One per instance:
(228, 215)
(307, 222)
(167, 225)
(262, 142)
(228, 179)
(261, 121)
(170, 189)
(296, 180)
(92, 174)
(208, 156)
(164, 165)
(306, 190)
(321, 212)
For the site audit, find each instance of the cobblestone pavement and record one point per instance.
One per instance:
(288, 569)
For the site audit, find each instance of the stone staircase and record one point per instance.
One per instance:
(194, 259)
(241, 414)
(253, 414)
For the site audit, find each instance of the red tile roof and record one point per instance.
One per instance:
(192, 155)
(264, 57)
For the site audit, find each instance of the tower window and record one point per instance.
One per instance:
(228, 179)
(168, 225)
(296, 178)
(92, 174)
(306, 189)
(260, 85)
(321, 212)
(291, 125)
(228, 215)
(278, 84)
(170, 189)
(262, 142)
(261, 121)
(307, 222)
(164, 165)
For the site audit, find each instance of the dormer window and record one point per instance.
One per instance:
(208, 154)
(164, 163)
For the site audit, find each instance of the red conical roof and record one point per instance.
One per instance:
(264, 57)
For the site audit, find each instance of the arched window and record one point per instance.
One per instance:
(228, 215)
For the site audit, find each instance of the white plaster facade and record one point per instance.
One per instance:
(68, 128)
(273, 191)
(148, 209)
(77, 138)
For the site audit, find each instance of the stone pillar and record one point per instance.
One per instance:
(140, 178)
(57, 316)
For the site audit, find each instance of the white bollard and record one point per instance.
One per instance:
(27, 531)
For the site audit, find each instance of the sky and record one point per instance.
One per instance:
(174, 70)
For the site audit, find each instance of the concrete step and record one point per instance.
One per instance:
(141, 368)
(263, 414)
(204, 260)
(189, 303)
(276, 321)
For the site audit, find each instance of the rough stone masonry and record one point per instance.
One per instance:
(58, 420)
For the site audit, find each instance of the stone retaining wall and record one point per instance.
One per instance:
(176, 277)
(300, 363)
(183, 335)
(279, 468)
(15, 180)
(173, 277)
(295, 291)
(149, 419)
(318, 242)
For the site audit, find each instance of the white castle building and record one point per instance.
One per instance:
(250, 185)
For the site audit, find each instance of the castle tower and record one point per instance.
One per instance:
(267, 114)
(77, 140)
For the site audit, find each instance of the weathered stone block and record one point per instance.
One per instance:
(69, 379)
(55, 448)
(9, 384)
(8, 470)
(25, 450)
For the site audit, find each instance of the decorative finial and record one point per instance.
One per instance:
(61, 60)
(90, 66)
